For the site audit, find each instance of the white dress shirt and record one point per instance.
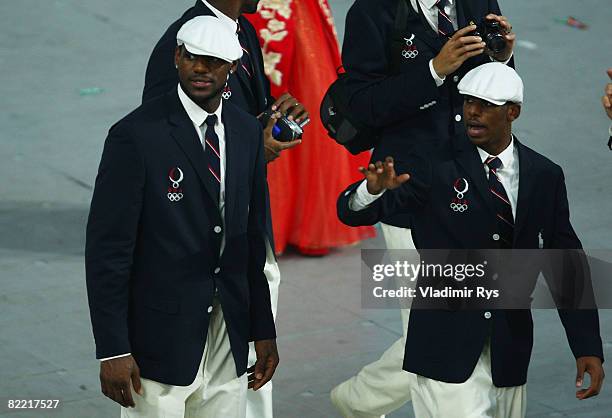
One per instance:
(198, 116)
(431, 12)
(233, 24)
(508, 175)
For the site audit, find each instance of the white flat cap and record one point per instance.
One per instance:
(208, 35)
(494, 82)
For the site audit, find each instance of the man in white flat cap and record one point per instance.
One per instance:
(473, 363)
(248, 88)
(176, 247)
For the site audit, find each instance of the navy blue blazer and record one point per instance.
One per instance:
(152, 261)
(408, 108)
(250, 94)
(445, 345)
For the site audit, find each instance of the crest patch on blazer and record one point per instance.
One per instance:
(175, 192)
(410, 51)
(461, 187)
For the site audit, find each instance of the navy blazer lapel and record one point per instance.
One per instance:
(187, 139)
(527, 180)
(465, 12)
(467, 156)
(232, 154)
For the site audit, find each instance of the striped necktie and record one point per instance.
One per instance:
(212, 151)
(246, 61)
(503, 208)
(445, 25)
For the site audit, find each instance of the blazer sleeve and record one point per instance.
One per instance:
(375, 96)
(581, 325)
(261, 318)
(110, 240)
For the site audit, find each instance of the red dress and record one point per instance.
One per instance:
(301, 55)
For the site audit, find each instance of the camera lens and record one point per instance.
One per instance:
(496, 42)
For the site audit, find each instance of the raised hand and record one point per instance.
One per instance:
(381, 176)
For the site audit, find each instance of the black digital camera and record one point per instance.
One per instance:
(493, 35)
(284, 130)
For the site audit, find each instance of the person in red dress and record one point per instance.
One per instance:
(301, 55)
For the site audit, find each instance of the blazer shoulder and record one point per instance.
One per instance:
(246, 24)
(379, 12)
(199, 9)
(542, 163)
(149, 112)
(374, 7)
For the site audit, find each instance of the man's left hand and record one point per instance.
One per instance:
(289, 105)
(267, 361)
(591, 365)
(510, 38)
(273, 147)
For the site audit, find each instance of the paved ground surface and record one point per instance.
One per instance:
(50, 144)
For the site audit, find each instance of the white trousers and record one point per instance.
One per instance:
(382, 386)
(259, 404)
(215, 392)
(475, 398)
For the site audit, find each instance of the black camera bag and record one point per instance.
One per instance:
(342, 126)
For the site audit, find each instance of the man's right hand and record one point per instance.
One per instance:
(606, 100)
(381, 176)
(115, 377)
(457, 50)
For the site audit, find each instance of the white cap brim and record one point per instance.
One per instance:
(487, 99)
(196, 51)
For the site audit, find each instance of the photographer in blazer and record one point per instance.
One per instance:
(419, 104)
(249, 89)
